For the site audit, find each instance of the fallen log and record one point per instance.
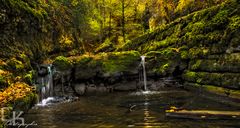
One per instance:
(204, 114)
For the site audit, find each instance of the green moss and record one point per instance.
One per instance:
(120, 61)
(205, 14)
(26, 6)
(107, 46)
(83, 59)
(15, 65)
(184, 54)
(25, 103)
(222, 91)
(28, 77)
(196, 65)
(226, 80)
(221, 18)
(190, 76)
(198, 27)
(198, 52)
(62, 63)
(214, 90)
(234, 23)
(164, 68)
(203, 28)
(214, 65)
(105, 64)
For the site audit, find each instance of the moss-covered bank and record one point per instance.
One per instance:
(205, 44)
(101, 65)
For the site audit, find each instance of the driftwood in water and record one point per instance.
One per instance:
(204, 114)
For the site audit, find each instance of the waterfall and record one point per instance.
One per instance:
(50, 81)
(144, 72)
(46, 85)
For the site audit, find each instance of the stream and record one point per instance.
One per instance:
(128, 109)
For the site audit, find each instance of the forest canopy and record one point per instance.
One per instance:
(41, 27)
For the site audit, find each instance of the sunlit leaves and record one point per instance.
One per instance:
(184, 4)
(14, 92)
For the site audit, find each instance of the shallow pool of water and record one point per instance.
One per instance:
(122, 110)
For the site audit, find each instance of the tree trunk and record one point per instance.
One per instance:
(123, 21)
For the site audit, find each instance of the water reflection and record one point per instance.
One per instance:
(149, 119)
(112, 110)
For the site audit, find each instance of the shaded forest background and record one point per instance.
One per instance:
(37, 29)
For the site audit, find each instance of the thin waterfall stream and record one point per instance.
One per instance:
(144, 73)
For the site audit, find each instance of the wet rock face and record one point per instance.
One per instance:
(43, 70)
(90, 89)
(107, 68)
(105, 65)
(125, 86)
(102, 73)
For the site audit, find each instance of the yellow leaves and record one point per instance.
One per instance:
(172, 109)
(183, 4)
(2, 63)
(74, 2)
(14, 92)
(4, 73)
(175, 49)
(66, 41)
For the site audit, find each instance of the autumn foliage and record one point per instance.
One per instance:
(15, 92)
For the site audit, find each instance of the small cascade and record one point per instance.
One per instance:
(50, 81)
(144, 72)
(46, 85)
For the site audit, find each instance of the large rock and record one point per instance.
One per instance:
(62, 63)
(164, 62)
(80, 89)
(106, 65)
(126, 86)
(107, 68)
(227, 80)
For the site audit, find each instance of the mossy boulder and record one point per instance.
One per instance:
(62, 63)
(227, 80)
(87, 67)
(164, 62)
(106, 64)
(101, 65)
(121, 62)
(214, 65)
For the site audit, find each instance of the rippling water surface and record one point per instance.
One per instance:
(122, 110)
